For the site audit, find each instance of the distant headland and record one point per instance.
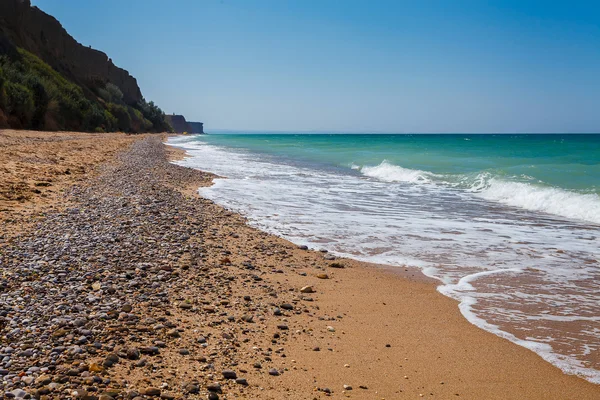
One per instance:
(180, 125)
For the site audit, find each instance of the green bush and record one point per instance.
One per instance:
(122, 115)
(155, 115)
(38, 97)
(114, 93)
(19, 102)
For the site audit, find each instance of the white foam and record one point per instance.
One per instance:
(529, 196)
(550, 200)
(393, 173)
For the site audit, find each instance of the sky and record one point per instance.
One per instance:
(355, 66)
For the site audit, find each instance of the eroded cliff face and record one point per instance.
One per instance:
(179, 123)
(41, 34)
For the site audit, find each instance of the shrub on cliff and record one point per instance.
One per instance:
(19, 103)
(35, 96)
(122, 115)
(155, 115)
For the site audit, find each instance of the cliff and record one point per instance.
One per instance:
(49, 81)
(180, 125)
(196, 127)
(41, 34)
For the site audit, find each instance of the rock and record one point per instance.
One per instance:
(303, 247)
(336, 265)
(347, 387)
(287, 306)
(174, 333)
(126, 308)
(307, 289)
(133, 353)
(213, 396)
(322, 276)
(241, 381)
(19, 394)
(93, 367)
(247, 318)
(184, 352)
(229, 374)
(273, 372)
(214, 387)
(151, 391)
(283, 327)
(43, 380)
(192, 388)
(330, 329)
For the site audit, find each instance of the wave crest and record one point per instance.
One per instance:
(529, 196)
(393, 173)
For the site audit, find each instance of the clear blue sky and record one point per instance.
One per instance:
(384, 66)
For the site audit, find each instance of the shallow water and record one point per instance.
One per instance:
(509, 224)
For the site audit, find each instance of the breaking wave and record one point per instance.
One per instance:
(527, 195)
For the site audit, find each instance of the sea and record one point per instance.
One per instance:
(508, 224)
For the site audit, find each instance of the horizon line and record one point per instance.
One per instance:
(334, 132)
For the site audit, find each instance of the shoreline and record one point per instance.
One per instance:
(181, 295)
(415, 273)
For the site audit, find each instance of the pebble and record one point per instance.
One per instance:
(229, 374)
(307, 289)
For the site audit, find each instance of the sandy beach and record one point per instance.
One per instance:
(118, 281)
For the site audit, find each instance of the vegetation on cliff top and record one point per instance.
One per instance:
(35, 96)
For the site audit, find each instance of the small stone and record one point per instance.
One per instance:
(241, 381)
(229, 374)
(126, 308)
(174, 333)
(307, 289)
(213, 396)
(184, 352)
(287, 306)
(336, 265)
(273, 372)
(247, 318)
(347, 387)
(322, 276)
(214, 387)
(133, 353)
(330, 329)
(151, 391)
(192, 388)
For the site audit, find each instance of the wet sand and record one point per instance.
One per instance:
(215, 297)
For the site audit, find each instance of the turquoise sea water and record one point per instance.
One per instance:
(563, 161)
(509, 224)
